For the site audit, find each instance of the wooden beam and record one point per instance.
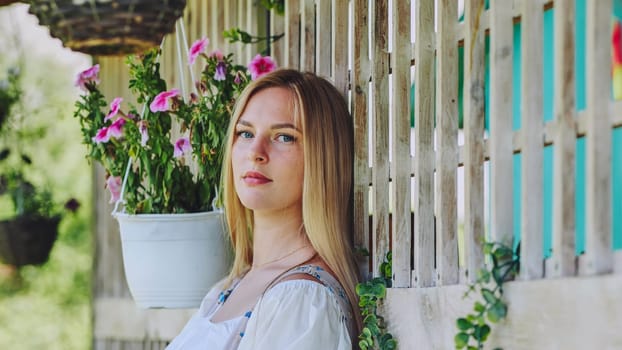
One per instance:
(564, 313)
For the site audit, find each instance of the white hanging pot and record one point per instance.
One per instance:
(172, 260)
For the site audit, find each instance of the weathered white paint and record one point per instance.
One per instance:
(569, 313)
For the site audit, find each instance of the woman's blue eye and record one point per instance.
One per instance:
(245, 134)
(286, 138)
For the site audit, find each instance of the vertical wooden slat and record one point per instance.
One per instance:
(278, 48)
(253, 10)
(563, 255)
(400, 145)
(473, 134)
(424, 144)
(292, 34)
(229, 22)
(531, 125)
(213, 19)
(447, 150)
(360, 93)
(380, 133)
(322, 37)
(339, 51)
(501, 153)
(599, 256)
(307, 35)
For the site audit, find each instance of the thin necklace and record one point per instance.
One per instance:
(279, 258)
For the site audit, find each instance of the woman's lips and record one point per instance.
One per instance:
(255, 178)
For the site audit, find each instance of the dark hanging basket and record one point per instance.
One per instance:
(27, 240)
(113, 27)
(7, 2)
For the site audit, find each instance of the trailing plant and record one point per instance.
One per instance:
(474, 328)
(374, 334)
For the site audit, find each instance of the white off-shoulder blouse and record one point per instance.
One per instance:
(294, 314)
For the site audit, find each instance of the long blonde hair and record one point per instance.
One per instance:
(327, 199)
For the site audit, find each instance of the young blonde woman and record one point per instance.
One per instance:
(287, 186)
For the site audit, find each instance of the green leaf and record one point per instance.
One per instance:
(479, 307)
(463, 324)
(489, 296)
(461, 340)
(480, 333)
(497, 312)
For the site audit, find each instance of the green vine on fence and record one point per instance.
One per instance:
(374, 334)
(474, 328)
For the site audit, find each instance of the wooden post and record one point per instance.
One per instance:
(563, 255)
(323, 35)
(292, 34)
(400, 164)
(500, 141)
(447, 150)
(380, 133)
(598, 250)
(339, 50)
(532, 141)
(424, 144)
(307, 36)
(474, 134)
(360, 93)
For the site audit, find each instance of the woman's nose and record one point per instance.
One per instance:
(258, 150)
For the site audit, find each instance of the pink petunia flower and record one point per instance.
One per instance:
(88, 76)
(102, 136)
(221, 71)
(261, 65)
(182, 146)
(196, 49)
(115, 105)
(114, 186)
(144, 134)
(162, 102)
(116, 129)
(217, 54)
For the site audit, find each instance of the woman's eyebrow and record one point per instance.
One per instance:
(273, 127)
(284, 126)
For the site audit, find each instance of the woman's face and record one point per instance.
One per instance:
(267, 153)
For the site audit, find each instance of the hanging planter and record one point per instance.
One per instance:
(104, 28)
(27, 240)
(7, 2)
(172, 260)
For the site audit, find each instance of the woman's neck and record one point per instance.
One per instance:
(277, 236)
